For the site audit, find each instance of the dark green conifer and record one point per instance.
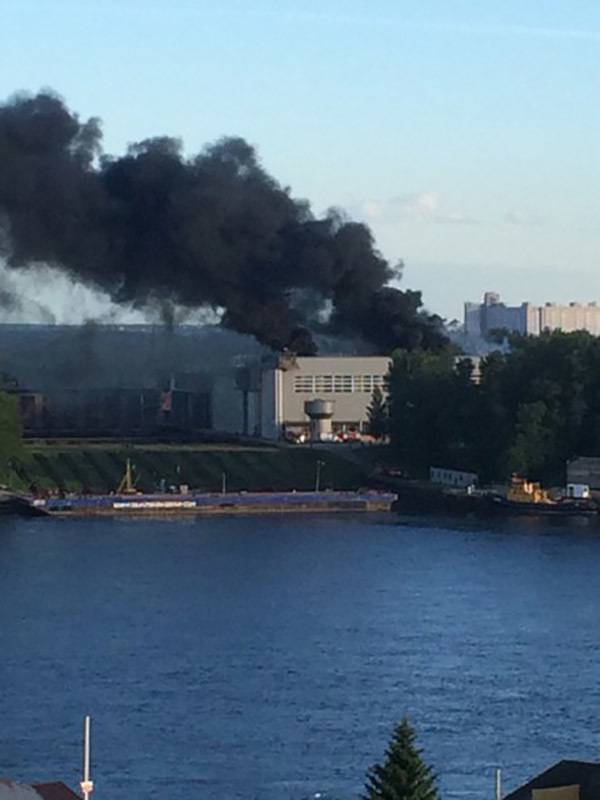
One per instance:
(377, 414)
(403, 775)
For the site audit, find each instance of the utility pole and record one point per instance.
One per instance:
(498, 784)
(223, 483)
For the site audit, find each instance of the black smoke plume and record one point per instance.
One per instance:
(156, 228)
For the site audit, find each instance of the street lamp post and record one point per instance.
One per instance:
(318, 466)
(87, 785)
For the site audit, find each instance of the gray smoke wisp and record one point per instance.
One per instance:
(154, 228)
(17, 305)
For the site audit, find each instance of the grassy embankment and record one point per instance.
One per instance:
(98, 467)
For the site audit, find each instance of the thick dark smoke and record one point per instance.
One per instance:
(215, 230)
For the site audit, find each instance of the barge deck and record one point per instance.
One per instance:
(214, 503)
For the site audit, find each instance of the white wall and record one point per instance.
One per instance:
(330, 377)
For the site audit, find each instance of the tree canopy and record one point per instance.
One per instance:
(530, 411)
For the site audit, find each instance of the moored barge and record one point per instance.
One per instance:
(214, 503)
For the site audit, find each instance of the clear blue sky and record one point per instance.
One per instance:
(467, 133)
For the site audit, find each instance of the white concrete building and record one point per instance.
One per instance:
(345, 382)
(527, 319)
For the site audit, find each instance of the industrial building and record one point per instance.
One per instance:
(319, 397)
(114, 411)
(126, 380)
(492, 315)
(95, 380)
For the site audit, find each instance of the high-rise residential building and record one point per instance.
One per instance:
(493, 315)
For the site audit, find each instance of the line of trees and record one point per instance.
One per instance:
(529, 411)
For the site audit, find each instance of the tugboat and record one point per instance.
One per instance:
(528, 497)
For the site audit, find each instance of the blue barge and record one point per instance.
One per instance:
(214, 503)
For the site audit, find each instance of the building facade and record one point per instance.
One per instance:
(114, 411)
(481, 319)
(346, 383)
(452, 477)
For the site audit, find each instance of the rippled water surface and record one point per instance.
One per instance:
(268, 657)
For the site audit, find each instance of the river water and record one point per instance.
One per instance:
(269, 657)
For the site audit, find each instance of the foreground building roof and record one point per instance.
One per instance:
(10, 790)
(566, 780)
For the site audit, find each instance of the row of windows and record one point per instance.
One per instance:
(312, 384)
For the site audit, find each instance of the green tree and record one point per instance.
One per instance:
(432, 401)
(10, 434)
(377, 414)
(403, 775)
(532, 440)
(530, 410)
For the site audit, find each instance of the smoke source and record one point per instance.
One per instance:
(155, 228)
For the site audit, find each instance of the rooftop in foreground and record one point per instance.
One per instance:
(565, 780)
(55, 790)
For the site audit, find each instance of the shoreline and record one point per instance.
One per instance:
(429, 499)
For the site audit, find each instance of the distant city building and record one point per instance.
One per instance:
(323, 396)
(492, 315)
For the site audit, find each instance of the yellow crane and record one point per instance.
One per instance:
(127, 484)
